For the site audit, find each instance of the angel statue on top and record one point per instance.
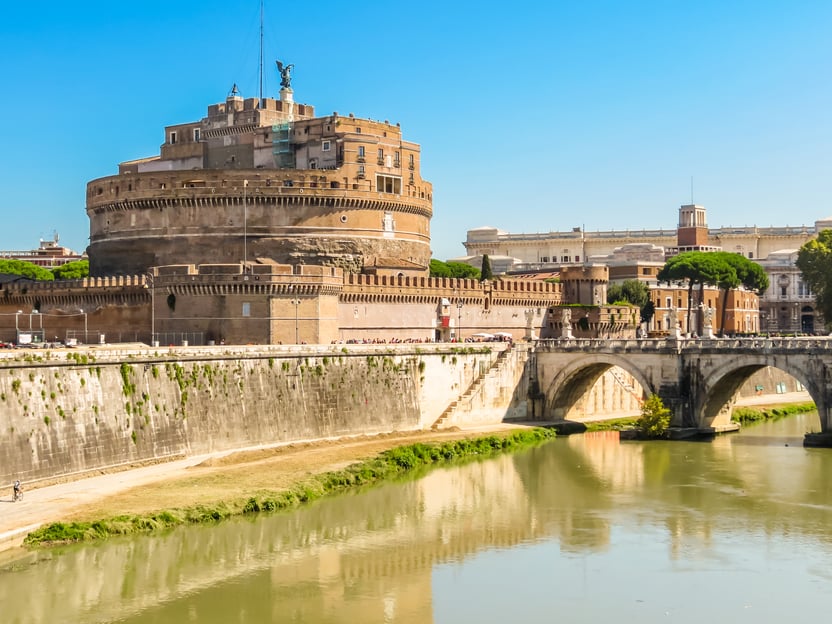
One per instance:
(285, 75)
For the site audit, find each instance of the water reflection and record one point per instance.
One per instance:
(405, 552)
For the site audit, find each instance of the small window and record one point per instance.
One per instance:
(361, 151)
(380, 156)
(196, 135)
(544, 259)
(246, 309)
(172, 138)
(326, 146)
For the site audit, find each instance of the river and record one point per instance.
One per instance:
(582, 529)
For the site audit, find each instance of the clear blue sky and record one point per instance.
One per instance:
(532, 117)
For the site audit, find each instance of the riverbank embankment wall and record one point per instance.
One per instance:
(67, 412)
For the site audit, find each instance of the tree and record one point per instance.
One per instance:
(25, 269)
(633, 292)
(453, 269)
(738, 271)
(814, 259)
(691, 267)
(486, 273)
(630, 291)
(78, 269)
(722, 269)
(655, 417)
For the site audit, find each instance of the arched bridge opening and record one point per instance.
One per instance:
(574, 388)
(719, 394)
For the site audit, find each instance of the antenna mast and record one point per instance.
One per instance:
(261, 52)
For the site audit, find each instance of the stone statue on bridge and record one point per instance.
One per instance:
(566, 323)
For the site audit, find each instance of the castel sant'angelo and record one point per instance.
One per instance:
(264, 223)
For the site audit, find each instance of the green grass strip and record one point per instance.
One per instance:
(389, 465)
(750, 416)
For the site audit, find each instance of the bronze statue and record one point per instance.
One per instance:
(285, 75)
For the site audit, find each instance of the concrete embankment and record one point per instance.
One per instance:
(69, 412)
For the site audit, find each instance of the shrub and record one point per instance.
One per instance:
(655, 418)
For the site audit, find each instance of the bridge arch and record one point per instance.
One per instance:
(714, 401)
(571, 384)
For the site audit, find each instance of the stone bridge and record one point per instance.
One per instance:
(696, 379)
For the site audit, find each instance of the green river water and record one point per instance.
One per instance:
(582, 529)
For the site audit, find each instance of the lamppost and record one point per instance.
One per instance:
(40, 323)
(245, 225)
(85, 324)
(296, 303)
(459, 320)
(151, 281)
(17, 326)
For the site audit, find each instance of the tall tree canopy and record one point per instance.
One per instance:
(453, 269)
(723, 269)
(25, 269)
(814, 259)
(693, 267)
(72, 270)
(737, 270)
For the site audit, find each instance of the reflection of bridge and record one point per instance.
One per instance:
(697, 379)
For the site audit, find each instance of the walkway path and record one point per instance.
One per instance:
(285, 463)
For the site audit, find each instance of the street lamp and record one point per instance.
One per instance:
(245, 224)
(459, 320)
(152, 285)
(296, 303)
(85, 324)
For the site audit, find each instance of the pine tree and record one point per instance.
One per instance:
(485, 273)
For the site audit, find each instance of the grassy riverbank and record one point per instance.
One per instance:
(388, 465)
(750, 415)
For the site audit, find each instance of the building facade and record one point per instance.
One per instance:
(50, 254)
(786, 307)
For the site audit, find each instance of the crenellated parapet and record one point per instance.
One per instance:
(510, 292)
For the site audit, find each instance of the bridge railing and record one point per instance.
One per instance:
(673, 345)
